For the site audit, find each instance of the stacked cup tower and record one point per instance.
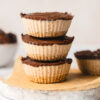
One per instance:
(46, 46)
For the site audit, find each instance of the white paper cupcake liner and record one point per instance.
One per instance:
(41, 28)
(47, 74)
(47, 52)
(91, 66)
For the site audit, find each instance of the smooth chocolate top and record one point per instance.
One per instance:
(36, 63)
(87, 54)
(7, 37)
(48, 16)
(47, 41)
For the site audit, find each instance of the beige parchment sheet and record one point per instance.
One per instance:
(76, 81)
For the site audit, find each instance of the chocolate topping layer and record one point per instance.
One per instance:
(88, 54)
(3, 37)
(7, 38)
(47, 41)
(36, 63)
(1, 31)
(12, 38)
(48, 16)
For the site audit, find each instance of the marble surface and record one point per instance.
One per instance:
(5, 72)
(15, 93)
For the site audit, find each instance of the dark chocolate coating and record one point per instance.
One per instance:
(37, 63)
(87, 54)
(48, 16)
(7, 37)
(47, 41)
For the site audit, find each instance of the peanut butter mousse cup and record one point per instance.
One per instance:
(89, 61)
(46, 24)
(46, 71)
(47, 49)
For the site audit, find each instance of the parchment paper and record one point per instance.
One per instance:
(76, 81)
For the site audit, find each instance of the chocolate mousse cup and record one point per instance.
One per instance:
(46, 72)
(89, 61)
(47, 49)
(46, 24)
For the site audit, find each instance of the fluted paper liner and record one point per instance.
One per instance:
(47, 74)
(47, 52)
(45, 28)
(76, 81)
(89, 66)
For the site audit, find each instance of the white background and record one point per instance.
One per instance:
(85, 26)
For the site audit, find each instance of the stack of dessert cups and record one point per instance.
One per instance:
(46, 46)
